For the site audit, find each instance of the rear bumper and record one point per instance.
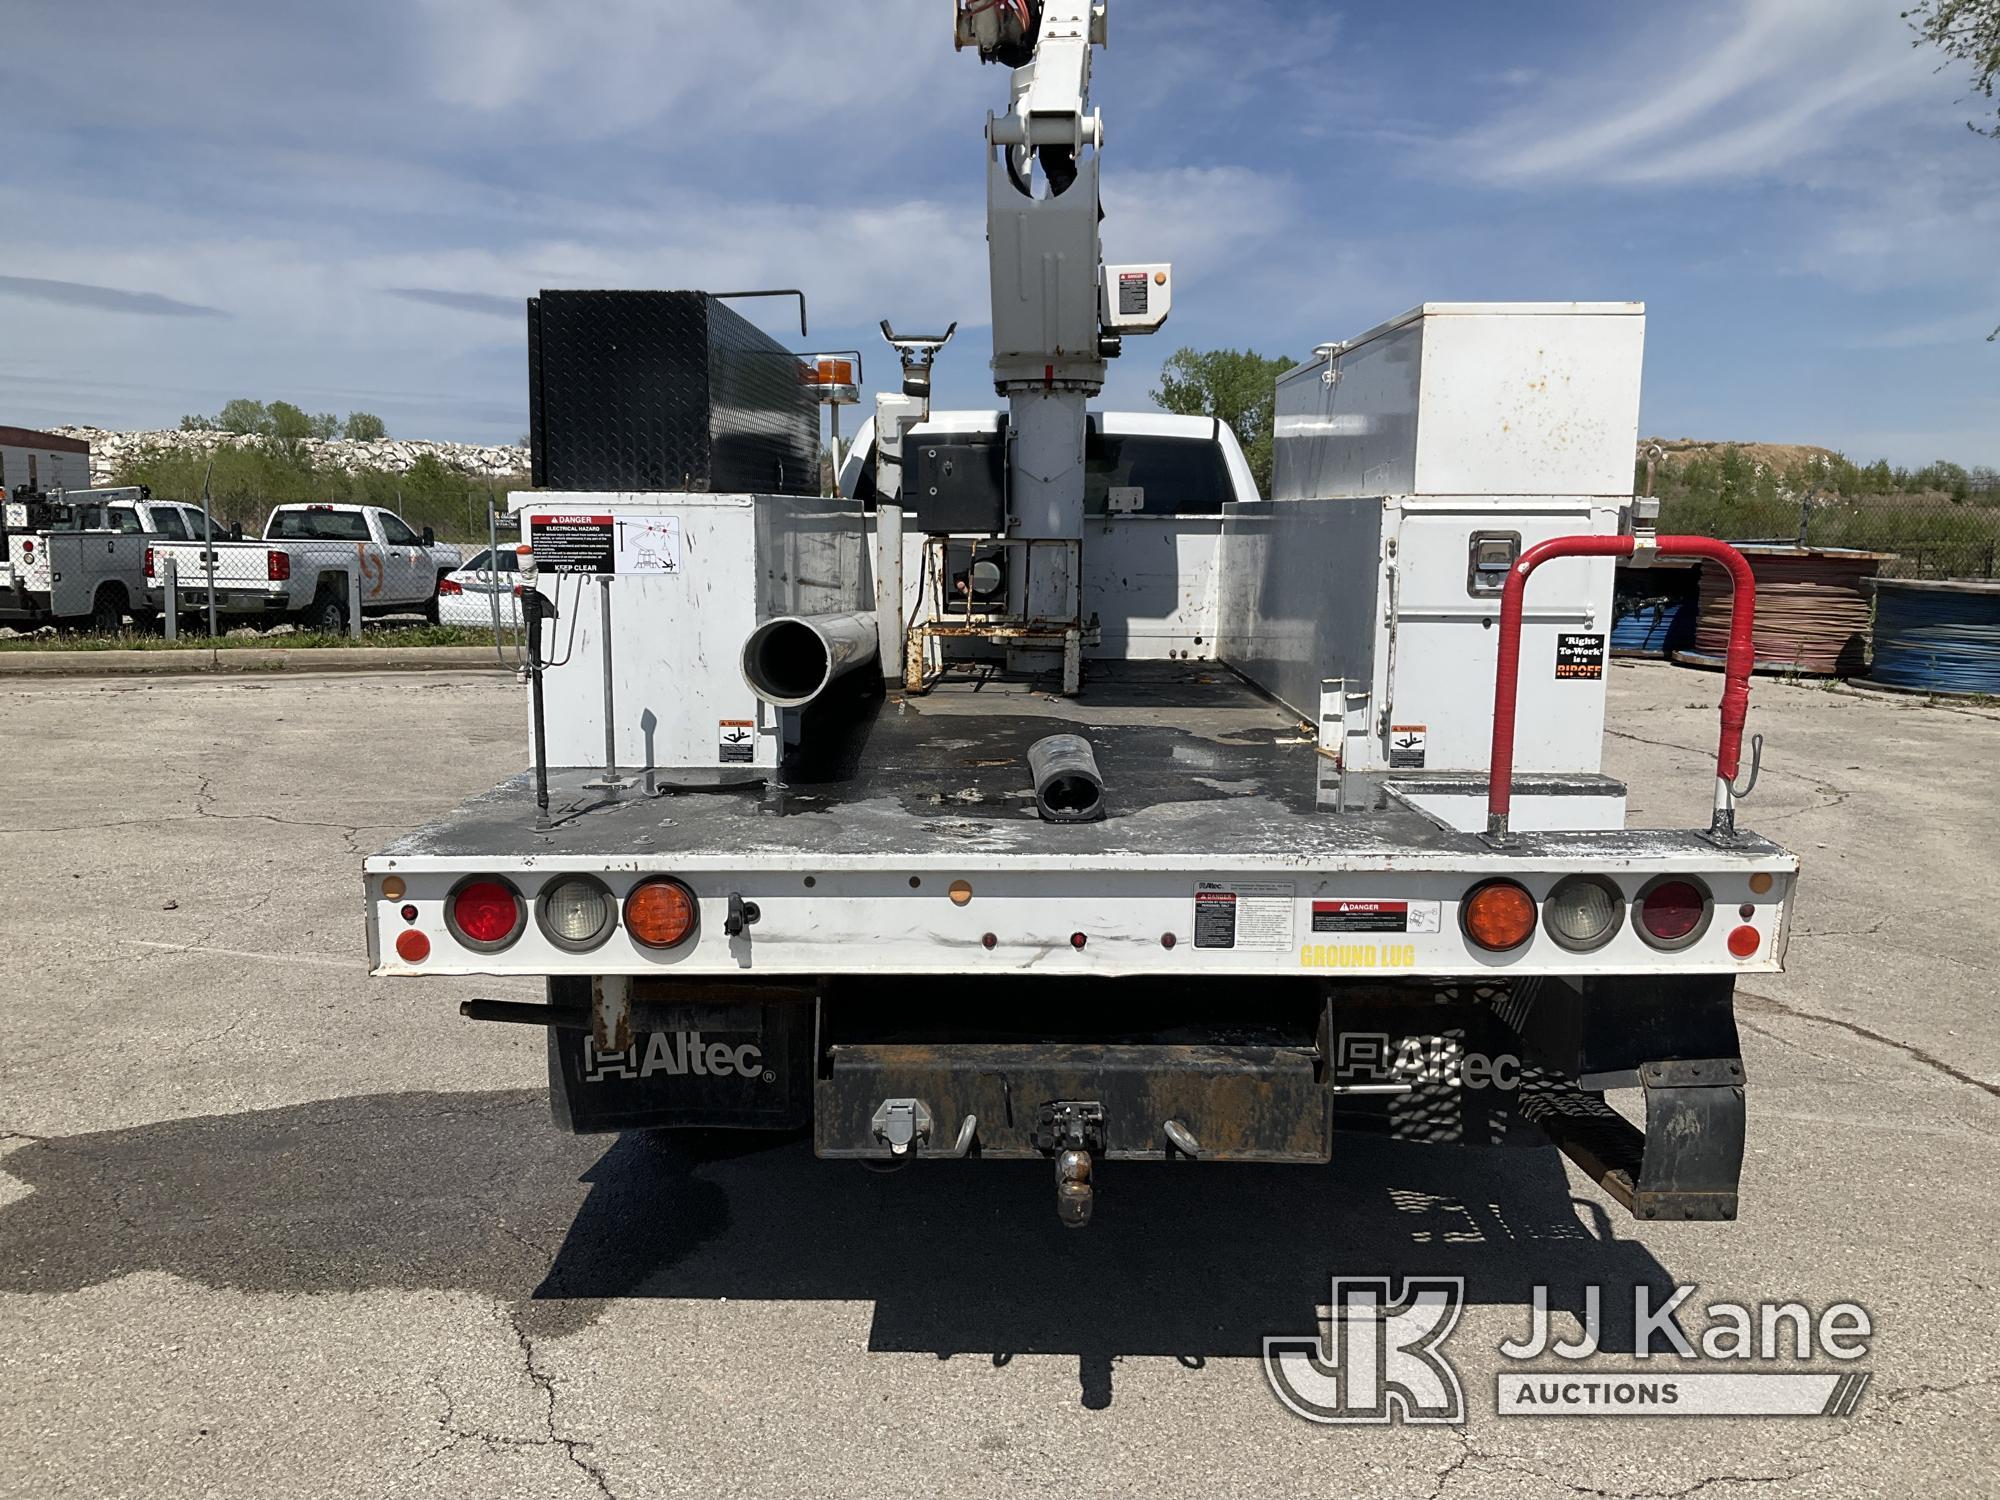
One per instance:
(1137, 1071)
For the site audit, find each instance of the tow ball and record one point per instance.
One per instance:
(1070, 1130)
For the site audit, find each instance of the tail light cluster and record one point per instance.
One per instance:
(1582, 913)
(577, 913)
(447, 586)
(277, 565)
(149, 562)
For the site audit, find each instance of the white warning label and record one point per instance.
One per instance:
(649, 544)
(1248, 915)
(736, 741)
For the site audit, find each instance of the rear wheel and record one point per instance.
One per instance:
(107, 612)
(326, 615)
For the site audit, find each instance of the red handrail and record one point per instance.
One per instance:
(1506, 687)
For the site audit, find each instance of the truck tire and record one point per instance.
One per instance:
(107, 611)
(326, 615)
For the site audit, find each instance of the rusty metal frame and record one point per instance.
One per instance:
(995, 627)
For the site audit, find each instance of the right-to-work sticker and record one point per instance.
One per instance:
(1255, 914)
(1341, 915)
(1580, 658)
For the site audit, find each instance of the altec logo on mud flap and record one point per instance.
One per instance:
(678, 1054)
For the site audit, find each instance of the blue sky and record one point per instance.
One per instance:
(344, 205)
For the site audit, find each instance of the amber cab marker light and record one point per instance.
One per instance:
(412, 947)
(1499, 916)
(393, 888)
(1761, 883)
(661, 913)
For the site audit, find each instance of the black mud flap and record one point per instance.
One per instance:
(722, 1065)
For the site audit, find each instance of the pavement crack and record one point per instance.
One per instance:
(1915, 1392)
(1840, 932)
(1465, 1456)
(1930, 1060)
(573, 1448)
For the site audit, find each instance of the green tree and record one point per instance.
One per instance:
(289, 424)
(1240, 387)
(1966, 31)
(244, 417)
(325, 424)
(364, 427)
(197, 423)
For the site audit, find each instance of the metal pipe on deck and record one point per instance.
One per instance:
(791, 660)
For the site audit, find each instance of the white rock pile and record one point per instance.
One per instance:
(109, 451)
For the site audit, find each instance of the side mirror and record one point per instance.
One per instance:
(430, 537)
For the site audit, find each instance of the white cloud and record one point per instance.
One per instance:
(1706, 96)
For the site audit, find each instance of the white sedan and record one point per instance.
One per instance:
(466, 596)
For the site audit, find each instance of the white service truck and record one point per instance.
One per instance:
(78, 559)
(313, 564)
(1023, 803)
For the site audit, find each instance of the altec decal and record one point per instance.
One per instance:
(678, 1054)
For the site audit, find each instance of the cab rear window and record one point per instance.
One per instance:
(1178, 476)
(319, 526)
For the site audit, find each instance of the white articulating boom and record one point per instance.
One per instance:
(1050, 342)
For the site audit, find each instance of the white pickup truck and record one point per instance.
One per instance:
(311, 560)
(78, 559)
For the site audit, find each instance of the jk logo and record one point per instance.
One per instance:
(1380, 1358)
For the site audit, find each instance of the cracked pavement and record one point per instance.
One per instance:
(270, 1227)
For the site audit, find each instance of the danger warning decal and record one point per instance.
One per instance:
(573, 544)
(1253, 915)
(1376, 916)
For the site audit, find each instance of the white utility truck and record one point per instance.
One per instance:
(78, 558)
(1050, 794)
(309, 567)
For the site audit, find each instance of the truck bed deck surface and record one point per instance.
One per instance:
(1201, 770)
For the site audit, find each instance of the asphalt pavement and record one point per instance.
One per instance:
(270, 1227)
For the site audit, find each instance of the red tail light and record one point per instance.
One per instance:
(149, 562)
(278, 565)
(1673, 911)
(448, 586)
(27, 547)
(485, 913)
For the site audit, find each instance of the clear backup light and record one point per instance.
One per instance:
(575, 912)
(1583, 912)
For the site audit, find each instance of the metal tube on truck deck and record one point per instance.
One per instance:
(791, 660)
(1068, 786)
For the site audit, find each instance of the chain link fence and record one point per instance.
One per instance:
(1923, 536)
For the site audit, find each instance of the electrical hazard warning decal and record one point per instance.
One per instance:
(572, 543)
(1580, 658)
(736, 741)
(1256, 915)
